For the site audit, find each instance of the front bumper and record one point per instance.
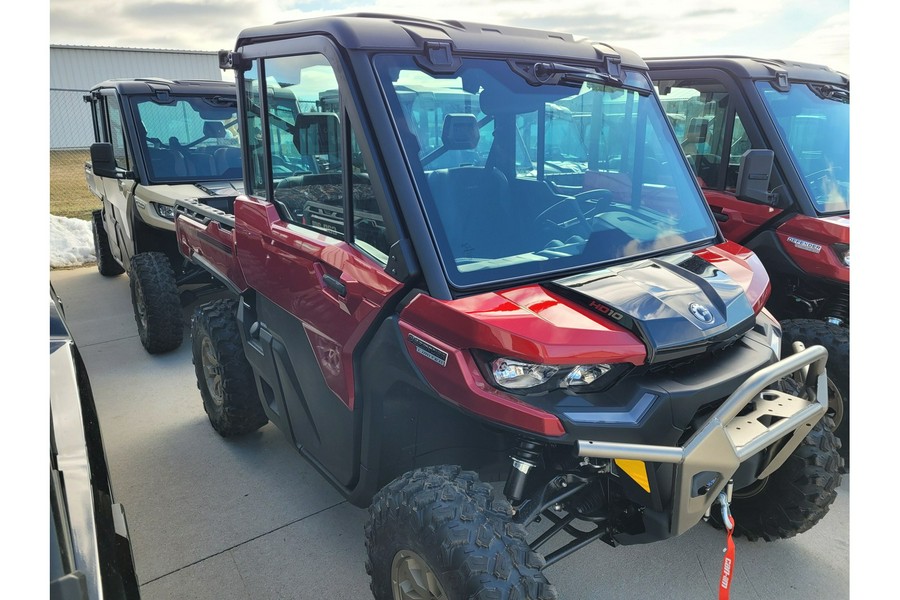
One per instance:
(729, 438)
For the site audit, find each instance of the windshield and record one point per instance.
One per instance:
(189, 138)
(522, 180)
(814, 122)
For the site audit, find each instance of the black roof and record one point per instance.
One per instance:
(150, 85)
(370, 31)
(747, 67)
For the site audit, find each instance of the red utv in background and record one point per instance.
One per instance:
(793, 210)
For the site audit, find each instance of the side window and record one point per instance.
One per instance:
(740, 143)
(116, 132)
(369, 232)
(253, 123)
(304, 132)
(98, 114)
(311, 146)
(698, 111)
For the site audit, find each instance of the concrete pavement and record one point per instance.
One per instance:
(248, 518)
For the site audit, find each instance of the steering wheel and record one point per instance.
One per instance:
(593, 201)
(831, 172)
(819, 181)
(567, 205)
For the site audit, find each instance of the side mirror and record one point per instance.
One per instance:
(103, 161)
(753, 176)
(316, 133)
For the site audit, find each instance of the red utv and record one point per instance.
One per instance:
(471, 254)
(794, 118)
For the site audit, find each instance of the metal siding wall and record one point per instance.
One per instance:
(74, 70)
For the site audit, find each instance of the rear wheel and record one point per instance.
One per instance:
(157, 308)
(440, 534)
(795, 497)
(224, 376)
(836, 340)
(106, 263)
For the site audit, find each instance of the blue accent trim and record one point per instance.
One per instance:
(633, 416)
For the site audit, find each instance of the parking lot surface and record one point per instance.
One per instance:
(248, 518)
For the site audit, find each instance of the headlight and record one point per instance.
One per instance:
(843, 253)
(584, 375)
(164, 210)
(517, 375)
(531, 378)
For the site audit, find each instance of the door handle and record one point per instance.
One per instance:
(335, 284)
(720, 217)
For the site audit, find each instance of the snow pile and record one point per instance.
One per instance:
(71, 242)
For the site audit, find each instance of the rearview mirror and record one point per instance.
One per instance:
(753, 176)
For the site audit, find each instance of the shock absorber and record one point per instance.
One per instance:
(524, 458)
(838, 310)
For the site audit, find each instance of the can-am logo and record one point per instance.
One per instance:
(804, 245)
(701, 313)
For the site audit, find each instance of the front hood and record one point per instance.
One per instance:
(168, 193)
(678, 306)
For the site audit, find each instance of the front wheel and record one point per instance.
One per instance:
(439, 533)
(224, 376)
(836, 340)
(157, 307)
(795, 497)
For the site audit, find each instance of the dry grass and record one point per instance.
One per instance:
(69, 193)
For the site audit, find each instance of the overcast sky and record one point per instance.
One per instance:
(813, 31)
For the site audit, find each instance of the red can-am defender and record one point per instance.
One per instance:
(468, 248)
(796, 217)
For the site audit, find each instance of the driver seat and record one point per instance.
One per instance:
(695, 141)
(471, 202)
(228, 161)
(167, 162)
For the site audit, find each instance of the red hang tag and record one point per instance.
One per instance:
(727, 564)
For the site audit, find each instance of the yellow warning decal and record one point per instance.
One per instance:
(637, 470)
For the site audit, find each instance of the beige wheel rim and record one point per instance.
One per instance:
(413, 579)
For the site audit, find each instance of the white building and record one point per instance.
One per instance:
(75, 69)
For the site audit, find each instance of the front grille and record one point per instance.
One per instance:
(713, 350)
